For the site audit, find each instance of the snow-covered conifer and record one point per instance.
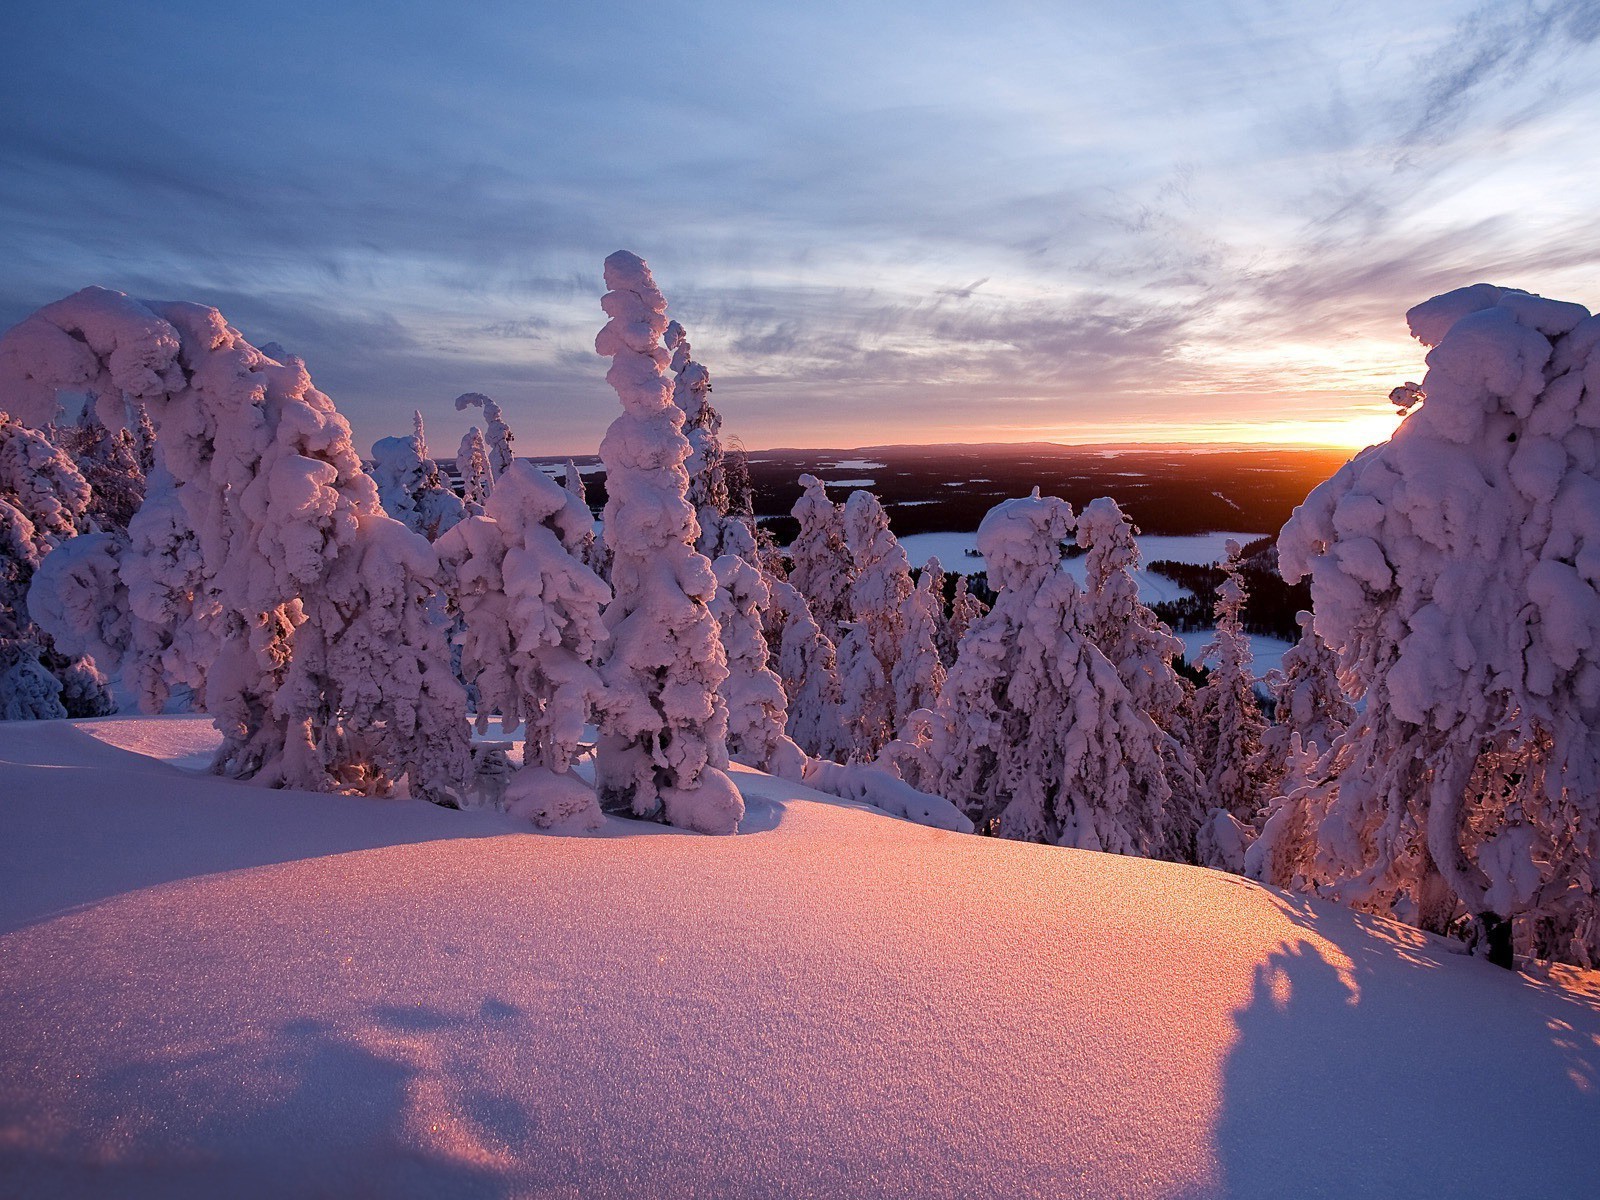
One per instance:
(1455, 570)
(531, 612)
(965, 608)
(329, 672)
(753, 692)
(807, 662)
(498, 434)
(44, 503)
(477, 481)
(572, 480)
(109, 462)
(1308, 700)
(870, 651)
(663, 748)
(823, 565)
(1035, 736)
(917, 675)
(410, 487)
(1141, 648)
(1228, 723)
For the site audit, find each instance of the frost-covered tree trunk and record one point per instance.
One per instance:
(753, 692)
(477, 481)
(499, 435)
(531, 612)
(1455, 570)
(1228, 721)
(663, 749)
(1035, 735)
(326, 671)
(823, 565)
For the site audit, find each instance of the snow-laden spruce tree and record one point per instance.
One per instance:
(918, 676)
(965, 608)
(1141, 647)
(807, 662)
(327, 672)
(410, 487)
(477, 481)
(1455, 570)
(753, 692)
(823, 565)
(44, 503)
(498, 434)
(663, 737)
(1035, 736)
(1228, 723)
(720, 532)
(1309, 703)
(531, 612)
(109, 463)
(871, 649)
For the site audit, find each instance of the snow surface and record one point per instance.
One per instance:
(212, 989)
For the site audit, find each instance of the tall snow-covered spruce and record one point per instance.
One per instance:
(663, 737)
(1455, 570)
(532, 616)
(498, 434)
(1035, 736)
(326, 671)
(1228, 725)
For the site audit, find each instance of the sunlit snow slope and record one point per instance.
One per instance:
(212, 990)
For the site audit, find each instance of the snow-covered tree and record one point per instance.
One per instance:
(918, 676)
(1141, 648)
(327, 671)
(572, 480)
(531, 612)
(1455, 570)
(871, 649)
(477, 481)
(144, 439)
(410, 487)
(721, 531)
(823, 565)
(1228, 723)
(1035, 735)
(1308, 700)
(965, 608)
(663, 749)
(44, 503)
(753, 692)
(807, 662)
(109, 462)
(498, 433)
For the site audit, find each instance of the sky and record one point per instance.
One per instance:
(887, 223)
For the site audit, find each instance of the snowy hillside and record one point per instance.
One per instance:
(211, 989)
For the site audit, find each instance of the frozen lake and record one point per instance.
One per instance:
(952, 550)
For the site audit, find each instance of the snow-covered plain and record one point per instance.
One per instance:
(212, 989)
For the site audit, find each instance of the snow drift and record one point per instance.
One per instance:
(208, 989)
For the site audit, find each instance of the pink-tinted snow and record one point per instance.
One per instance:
(209, 989)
